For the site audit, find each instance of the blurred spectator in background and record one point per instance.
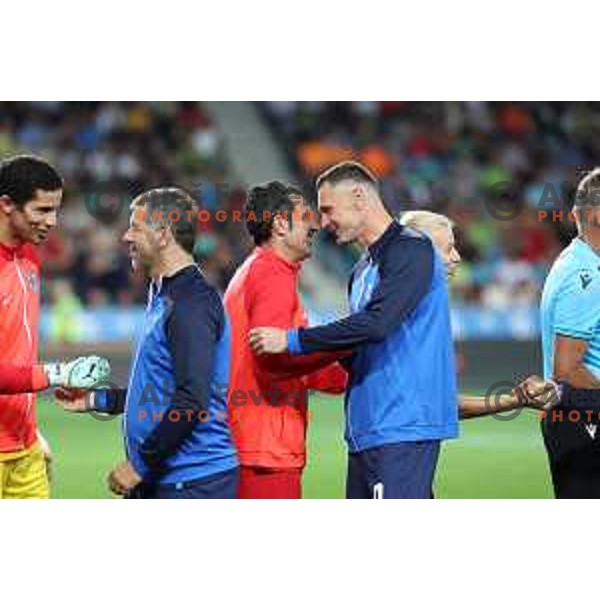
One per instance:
(65, 316)
(448, 157)
(112, 151)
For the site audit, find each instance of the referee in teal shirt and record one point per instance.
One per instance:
(570, 313)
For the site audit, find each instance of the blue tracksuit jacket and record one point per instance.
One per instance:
(175, 405)
(403, 372)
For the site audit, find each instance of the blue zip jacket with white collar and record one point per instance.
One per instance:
(403, 372)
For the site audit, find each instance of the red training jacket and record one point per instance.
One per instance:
(20, 376)
(268, 394)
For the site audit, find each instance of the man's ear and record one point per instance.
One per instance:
(359, 195)
(6, 205)
(280, 223)
(165, 236)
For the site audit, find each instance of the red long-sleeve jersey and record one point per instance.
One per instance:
(15, 379)
(20, 376)
(268, 394)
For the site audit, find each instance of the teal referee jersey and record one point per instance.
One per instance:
(571, 304)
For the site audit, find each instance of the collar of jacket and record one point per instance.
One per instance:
(12, 252)
(270, 254)
(165, 282)
(379, 244)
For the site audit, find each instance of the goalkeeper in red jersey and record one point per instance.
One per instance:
(30, 196)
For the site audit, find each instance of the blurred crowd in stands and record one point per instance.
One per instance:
(449, 157)
(441, 156)
(114, 150)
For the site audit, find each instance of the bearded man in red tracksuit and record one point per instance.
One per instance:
(268, 394)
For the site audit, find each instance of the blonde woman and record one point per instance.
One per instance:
(534, 392)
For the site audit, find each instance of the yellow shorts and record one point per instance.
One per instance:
(25, 476)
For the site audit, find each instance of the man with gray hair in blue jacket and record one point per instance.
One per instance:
(175, 422)
(401, 400)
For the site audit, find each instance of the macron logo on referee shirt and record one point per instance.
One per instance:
(586, 279)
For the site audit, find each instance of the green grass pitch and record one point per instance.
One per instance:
(491, 459)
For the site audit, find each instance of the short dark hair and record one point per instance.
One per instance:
(348, 169)
(262, 205)
(21, 176)
(161, 203)
(587, 196)
(588, 190)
